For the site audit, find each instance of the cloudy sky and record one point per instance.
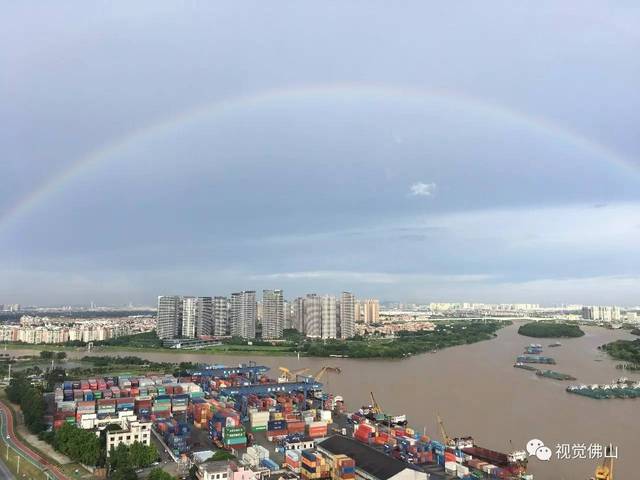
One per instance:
(420, 151)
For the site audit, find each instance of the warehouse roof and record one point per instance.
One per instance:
(372, 461)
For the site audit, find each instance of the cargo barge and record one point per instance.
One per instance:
(533, 349)
(555, 344)
(619, 388)
(524, 366)
(554, 375)
(535, 359)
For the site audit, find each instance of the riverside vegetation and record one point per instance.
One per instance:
(626, 350)
(550, 330)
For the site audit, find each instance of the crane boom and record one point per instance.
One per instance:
(443, 432)
(318, 376)
(374, 404)
(605, 471)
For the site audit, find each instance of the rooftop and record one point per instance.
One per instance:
(368, 459)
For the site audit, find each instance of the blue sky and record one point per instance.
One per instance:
(414, 152)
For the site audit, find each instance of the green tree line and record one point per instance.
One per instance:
(21, 392)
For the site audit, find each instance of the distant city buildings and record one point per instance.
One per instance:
(371, 309)
(601, 314)
(48, 330)
(15, 307)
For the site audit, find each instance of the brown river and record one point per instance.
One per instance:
(477, 392)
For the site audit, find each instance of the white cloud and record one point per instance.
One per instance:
(421, 189)
(373, 277)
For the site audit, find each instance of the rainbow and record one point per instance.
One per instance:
(256, 100)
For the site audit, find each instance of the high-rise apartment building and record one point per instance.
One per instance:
(272, 314)
(220, 316)
(197, 316)
(298, 314)
(189, 317)
(204, 316)
(601, 313)
(328, 316)
(288, 315)
(357, 312)
(371, 309)
(169, 318)
(347, 315)
(243, 314)
(313, 316)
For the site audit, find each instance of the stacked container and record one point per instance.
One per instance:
(344, 468)
(313, 465)
(276, 429)
(317, 429)
(179, 403)
(106, 406)
(234, 437)
(292, 460)
(258, 421)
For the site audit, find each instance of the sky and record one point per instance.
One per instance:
(409, 151)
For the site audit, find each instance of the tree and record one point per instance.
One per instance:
(124, 473)
(141, 455)
(119, 457)
(193, 473)
(80, 445)
(159, 474)
(46, 355)
(30, 399)
(61, 355)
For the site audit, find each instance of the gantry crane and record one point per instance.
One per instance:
(605, 471)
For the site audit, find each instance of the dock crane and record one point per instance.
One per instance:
(605, 470)
(446, 438)
(375, 408)
(318, 376)
(290, 376)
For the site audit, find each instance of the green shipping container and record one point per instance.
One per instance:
(235, 440)
(233, 432)
(259, 428)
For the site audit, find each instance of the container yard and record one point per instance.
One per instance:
(273, 424)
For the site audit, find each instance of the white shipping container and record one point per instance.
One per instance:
(450, 467)
(325, 416)
(463, 470)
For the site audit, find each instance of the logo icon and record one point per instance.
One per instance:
(535, 447)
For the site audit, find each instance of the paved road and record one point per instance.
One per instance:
(5, 473)
(6, 430)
